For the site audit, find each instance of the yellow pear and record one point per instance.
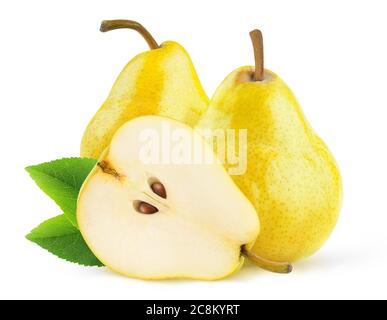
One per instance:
(161, 81)
(292, 178)
(150, 219)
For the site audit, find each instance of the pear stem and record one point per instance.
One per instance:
(257, 39)
(108, 25)
(277, 267)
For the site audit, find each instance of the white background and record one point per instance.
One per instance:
(56, 69)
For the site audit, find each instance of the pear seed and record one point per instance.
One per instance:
(159, 189)
(146, 208)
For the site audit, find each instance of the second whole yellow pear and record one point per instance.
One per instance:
(292, 178)
(161, 81)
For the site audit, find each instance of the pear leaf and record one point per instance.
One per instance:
(58, 236)
(61, 180)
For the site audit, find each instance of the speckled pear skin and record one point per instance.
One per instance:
(292, 179)
(157, 82)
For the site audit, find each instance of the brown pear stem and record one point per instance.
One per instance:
(108, 25)
(257, 39)
(277, 267)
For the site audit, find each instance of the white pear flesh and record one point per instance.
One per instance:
(199, 228)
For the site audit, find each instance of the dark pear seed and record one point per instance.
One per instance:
(159, 189)
(146, 208)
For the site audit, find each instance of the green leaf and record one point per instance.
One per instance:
(61, 238)
(61, 180)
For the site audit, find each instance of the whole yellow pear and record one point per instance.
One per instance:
(161, 81)
(292, 178)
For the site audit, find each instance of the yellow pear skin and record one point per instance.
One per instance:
(161, 81)
(291, 179)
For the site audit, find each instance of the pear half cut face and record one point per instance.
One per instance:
(164, 218)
